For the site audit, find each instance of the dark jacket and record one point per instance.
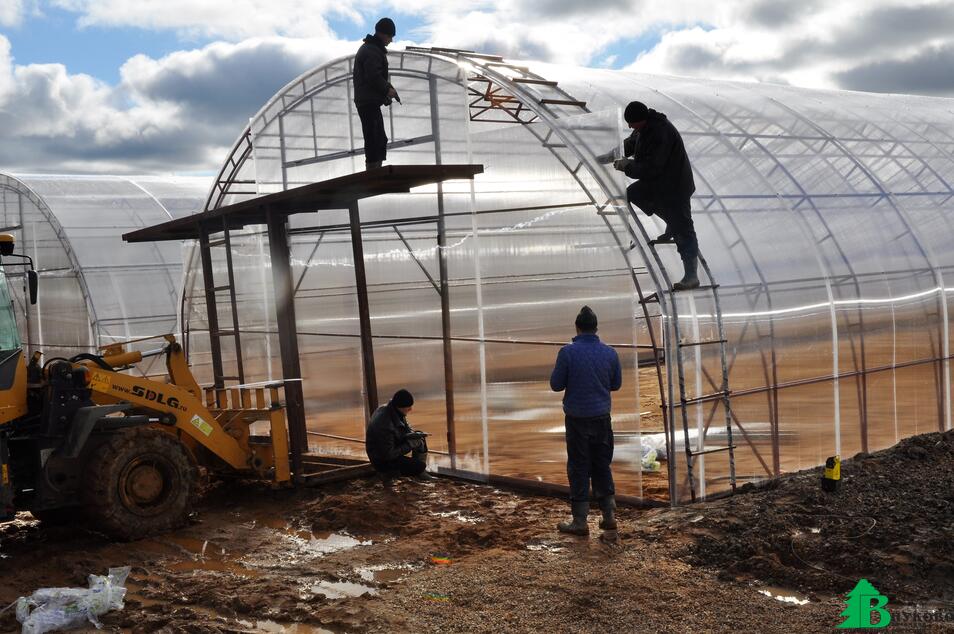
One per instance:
(588, 370)
(370, 74)
(385, 438)
(660, 161)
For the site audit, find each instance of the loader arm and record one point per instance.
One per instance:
(176, 406)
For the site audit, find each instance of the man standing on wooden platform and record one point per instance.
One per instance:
(373, 89)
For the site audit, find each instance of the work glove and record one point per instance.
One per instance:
(622, 164)
(606, 159)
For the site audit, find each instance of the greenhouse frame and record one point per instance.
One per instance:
(95, 290)
(821, 327)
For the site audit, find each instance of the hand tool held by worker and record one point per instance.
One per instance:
(606, 159)
(622, 164)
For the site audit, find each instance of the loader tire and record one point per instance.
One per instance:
(140, 482)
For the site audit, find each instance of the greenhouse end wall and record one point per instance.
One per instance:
(95, 289)
(824, 218)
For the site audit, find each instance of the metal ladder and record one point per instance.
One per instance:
(490, 98)
(211, 296)
(678, 345)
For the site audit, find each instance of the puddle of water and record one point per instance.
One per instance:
(341, 589)
(319, 544)
(189, 544)
(384, 574)
(459, 516)
(550, 548)
(205, 555)
(133, 593)
(785, 595)
(215, 565)
(143, 601)
(273, 627)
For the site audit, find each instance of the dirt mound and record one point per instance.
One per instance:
(367, 508)
(891, 523)
(364, 508)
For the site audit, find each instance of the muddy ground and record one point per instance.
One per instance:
(447, 556)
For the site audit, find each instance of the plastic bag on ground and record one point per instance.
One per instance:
(52, 609)
(648, 462)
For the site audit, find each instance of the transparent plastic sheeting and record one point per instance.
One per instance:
(95, 289)
(824, 216)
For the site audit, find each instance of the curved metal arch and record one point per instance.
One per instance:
(785, 205)
(243, 144)
(674, 321)
(926, 252)
(863, 395)
(23, 189)
(243, 147)
(771, 382)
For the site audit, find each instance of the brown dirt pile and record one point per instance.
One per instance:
(891, 523)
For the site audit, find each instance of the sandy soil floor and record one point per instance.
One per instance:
(447, 556)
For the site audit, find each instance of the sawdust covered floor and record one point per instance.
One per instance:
(452, 557)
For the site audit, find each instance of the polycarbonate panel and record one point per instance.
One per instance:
(94, 288)
(824, 218)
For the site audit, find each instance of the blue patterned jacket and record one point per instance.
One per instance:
(588, 370)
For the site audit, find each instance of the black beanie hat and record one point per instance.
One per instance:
(402, 398)
(386, 26)
(636, 111)
(586, 320)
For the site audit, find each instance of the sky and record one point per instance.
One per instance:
(166, 86)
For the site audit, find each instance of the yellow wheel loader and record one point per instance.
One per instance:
(80, 437)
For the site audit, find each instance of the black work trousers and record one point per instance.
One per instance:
(589, 453)
(412, 465)
(375, 138)
(676, 214)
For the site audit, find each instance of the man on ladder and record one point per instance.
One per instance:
(664, 184)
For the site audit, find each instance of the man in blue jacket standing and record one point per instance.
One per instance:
(588, 370)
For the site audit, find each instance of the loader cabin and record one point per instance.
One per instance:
(212, 228)
(12, 366)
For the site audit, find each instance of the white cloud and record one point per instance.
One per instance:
(183, 111)
(6, 70)
(177, 113)
(236, 19)
(11, 12)
(819, 44)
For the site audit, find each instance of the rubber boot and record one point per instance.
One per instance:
(578, 526)
(690, 280)
(664, 238)
(370, 165)
(608, 506)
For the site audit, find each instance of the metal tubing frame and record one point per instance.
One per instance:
(280, 256)
(364, 311)
(444, 290)
(236, 165)
(212, 311)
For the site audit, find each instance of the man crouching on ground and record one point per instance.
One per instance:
(588, 370)
(389, 438)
